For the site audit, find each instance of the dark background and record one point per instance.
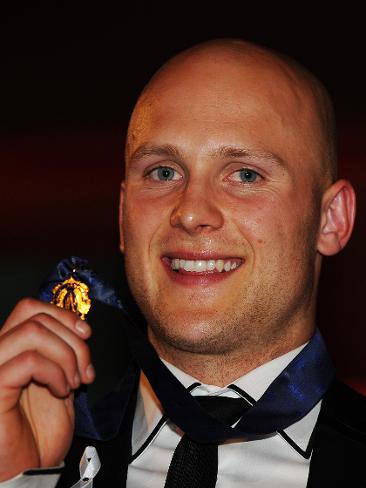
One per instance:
(69, 77)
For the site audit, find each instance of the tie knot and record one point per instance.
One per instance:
(227, 410)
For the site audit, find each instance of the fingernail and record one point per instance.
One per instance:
(76, 380)
(82, 326)
(90, 371)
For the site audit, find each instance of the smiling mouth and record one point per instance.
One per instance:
(203, 266)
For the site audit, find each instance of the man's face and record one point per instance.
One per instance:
(220, 208)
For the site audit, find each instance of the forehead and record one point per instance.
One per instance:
(200, 102)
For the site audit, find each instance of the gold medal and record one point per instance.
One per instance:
(72, 295)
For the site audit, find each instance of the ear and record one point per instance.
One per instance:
(337, 219)
(120, 218)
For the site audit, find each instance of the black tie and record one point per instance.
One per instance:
(194, 465)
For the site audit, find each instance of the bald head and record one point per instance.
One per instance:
(233, 75)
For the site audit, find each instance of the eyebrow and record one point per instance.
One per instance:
(146, 150)
(235, 152)
(223, 152)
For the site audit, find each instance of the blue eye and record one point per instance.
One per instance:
(164, 173)
(248, 175)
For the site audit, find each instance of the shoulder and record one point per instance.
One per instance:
(339, 439)
(345, 409)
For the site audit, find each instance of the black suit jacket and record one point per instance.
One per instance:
(338, 441)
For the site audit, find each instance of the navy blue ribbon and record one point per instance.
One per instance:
(289, 398)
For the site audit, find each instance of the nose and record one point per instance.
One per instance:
(197, 211)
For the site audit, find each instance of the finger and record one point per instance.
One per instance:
(29, 366)
(34, 336)
(27, 307)
(79, 346)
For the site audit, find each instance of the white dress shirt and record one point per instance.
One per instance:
(272, 461)
(280, 460)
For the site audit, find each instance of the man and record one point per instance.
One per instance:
(229, 203)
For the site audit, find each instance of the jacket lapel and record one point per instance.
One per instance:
(105, 409)
(339, 441)
(114, 454)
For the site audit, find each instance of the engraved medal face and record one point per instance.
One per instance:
(72, 295)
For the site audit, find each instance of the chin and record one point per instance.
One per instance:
(199, 338)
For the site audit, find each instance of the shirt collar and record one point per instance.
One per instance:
(149, 412)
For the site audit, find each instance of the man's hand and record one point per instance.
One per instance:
(43, 358)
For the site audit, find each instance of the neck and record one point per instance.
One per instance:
(222, 369)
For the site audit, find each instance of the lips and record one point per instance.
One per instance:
(200, 266)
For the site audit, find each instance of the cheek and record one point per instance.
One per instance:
(143, 223)
(271, 225)
(138, 217)
(143, 219)
(257, 219)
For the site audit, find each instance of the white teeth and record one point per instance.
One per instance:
(227, 266)
(189, 266)
(211, 265)
(201, 265)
